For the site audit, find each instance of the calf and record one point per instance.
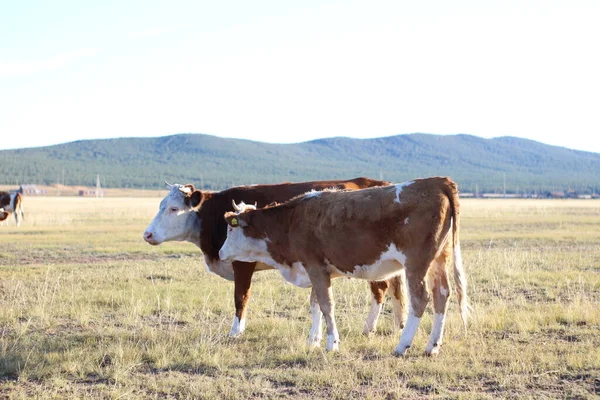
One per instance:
(11, 203)
(373, 234)
(187, 214)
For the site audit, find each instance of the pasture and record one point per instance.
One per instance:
(89, 310)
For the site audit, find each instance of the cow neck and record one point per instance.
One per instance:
(212, 225)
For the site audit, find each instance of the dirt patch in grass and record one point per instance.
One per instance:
(77, 256)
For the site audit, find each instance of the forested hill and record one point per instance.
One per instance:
(216, 163)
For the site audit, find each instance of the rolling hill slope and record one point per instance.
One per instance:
(216, 163)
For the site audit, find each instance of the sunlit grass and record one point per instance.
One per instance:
(87, 309)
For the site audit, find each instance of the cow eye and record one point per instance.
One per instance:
(173, 209)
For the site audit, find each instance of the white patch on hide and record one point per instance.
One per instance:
(390, 263)
(222, 268)
(239, 247)
(399, 188)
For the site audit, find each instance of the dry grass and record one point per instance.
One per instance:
(88, 310)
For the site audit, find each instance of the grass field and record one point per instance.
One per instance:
(88, 310)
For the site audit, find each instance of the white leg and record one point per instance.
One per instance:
(373, 317)
(437, 332)
(316, 331)
(408, 333)
(238, 327)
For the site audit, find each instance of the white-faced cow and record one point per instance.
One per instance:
(373, 234)
(11, 203)
(195, 216)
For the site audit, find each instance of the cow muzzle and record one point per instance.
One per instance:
(149, 237)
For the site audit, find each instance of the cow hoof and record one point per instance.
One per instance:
(432, 349)
(401, 351)
(333, 344)
(314, 343)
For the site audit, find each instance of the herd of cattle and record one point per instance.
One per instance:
(398, 236)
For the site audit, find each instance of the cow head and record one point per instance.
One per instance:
(176, 219)
(242, 244)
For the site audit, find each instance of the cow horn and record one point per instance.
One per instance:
(168, 184)
(235, 206)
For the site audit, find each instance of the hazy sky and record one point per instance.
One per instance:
(283, 71)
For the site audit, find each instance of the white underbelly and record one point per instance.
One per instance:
(225, 269)
(390, 263)
(296, 274)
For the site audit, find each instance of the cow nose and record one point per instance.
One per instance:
(147, 235)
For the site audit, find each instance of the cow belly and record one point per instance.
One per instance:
(390, 263)
(296, 274)
(225, 269)
(377, 272)
(262, 267)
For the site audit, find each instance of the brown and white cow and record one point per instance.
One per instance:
(195, 216)
(372, 234)
(11, 203)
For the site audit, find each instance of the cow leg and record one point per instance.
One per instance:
(321, 283)
(399, 299)
(316, 331)
(242, 279)
(418, 296)
(438, 283)
(378, 290)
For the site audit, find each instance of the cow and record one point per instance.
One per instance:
(11, 203)
(195, 216)
(375, 234)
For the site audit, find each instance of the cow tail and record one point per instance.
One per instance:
(460, 278)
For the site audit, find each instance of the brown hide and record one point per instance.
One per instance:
(214, 204)
(351, 228)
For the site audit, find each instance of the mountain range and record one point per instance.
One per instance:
(476, 164)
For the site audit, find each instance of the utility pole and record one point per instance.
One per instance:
(97, 185)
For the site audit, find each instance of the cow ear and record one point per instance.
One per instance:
(190, 187)
(233, 219)
(196, 198)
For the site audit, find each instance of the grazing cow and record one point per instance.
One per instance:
(11, 203)
(373, 234)
(187, 214)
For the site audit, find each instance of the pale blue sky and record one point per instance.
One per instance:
(282, 71)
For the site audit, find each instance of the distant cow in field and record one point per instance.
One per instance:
(195, 216)
(372, 234)
(11, 203)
